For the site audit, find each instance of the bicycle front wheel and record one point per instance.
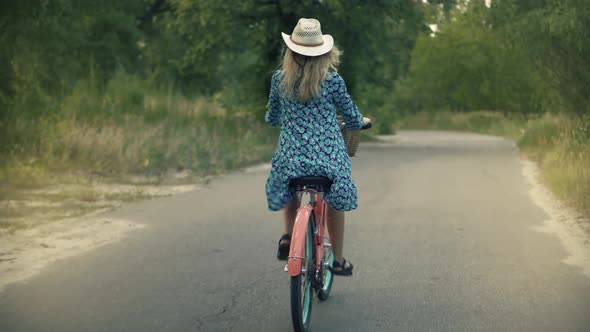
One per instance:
(301, 290)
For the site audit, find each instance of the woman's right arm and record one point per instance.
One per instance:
(273, 115)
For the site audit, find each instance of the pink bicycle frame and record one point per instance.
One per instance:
(300, 232)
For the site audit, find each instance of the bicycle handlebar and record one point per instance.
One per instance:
(367, 124)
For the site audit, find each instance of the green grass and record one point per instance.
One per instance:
(559, 143)
(128, 129)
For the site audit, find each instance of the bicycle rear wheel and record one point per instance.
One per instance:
(301, 289)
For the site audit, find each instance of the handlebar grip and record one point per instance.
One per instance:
(367, 126)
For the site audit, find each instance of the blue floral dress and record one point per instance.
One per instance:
(311, 144)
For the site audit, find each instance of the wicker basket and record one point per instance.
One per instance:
(351, 138)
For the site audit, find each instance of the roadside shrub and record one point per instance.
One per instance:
(543, 132)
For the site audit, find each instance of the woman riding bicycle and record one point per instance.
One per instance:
(303, 98)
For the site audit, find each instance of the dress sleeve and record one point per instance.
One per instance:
(273, 115)
(350, 113)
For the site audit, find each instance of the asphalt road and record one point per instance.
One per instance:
(444, 240)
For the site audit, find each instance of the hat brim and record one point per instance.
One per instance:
(309, 50)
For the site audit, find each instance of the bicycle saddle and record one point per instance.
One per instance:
(311, 181)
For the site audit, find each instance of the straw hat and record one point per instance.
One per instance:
(307, 38)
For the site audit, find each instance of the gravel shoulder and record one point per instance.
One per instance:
(43, 225)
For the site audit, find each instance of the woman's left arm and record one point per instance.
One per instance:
(353, 119)
(273, 115)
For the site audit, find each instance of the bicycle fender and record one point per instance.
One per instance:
(298, 240)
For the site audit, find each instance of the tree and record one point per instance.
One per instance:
(553, 34)
(244, 40)
(466, 66)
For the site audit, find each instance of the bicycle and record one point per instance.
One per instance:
(311, 259)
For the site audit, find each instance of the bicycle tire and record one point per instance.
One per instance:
(301, 287)
(328, 277)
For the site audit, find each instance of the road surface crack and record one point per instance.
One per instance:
(234, 296)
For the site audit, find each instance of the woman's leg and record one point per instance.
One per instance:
(336, 230)
(289, 214)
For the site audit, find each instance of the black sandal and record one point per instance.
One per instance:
(344, 270)
(284, 247)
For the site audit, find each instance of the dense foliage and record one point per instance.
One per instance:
(517, 56)
(200, 47)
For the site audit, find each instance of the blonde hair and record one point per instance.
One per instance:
(303, 75)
